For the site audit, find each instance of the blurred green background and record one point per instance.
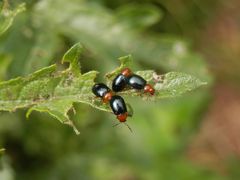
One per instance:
(195, 136)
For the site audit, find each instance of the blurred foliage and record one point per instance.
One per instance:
(157, 34)
(7, 16)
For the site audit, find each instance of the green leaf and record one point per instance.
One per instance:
(54, 92)
(172, 84)
(48, 90)
(7, 16)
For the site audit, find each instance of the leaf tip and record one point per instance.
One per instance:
(125, 60)
(70, 123)
(72, 56)
(29, 112)
(73, 53)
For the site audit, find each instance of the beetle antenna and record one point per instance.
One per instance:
(130, 129)
(116, 124)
